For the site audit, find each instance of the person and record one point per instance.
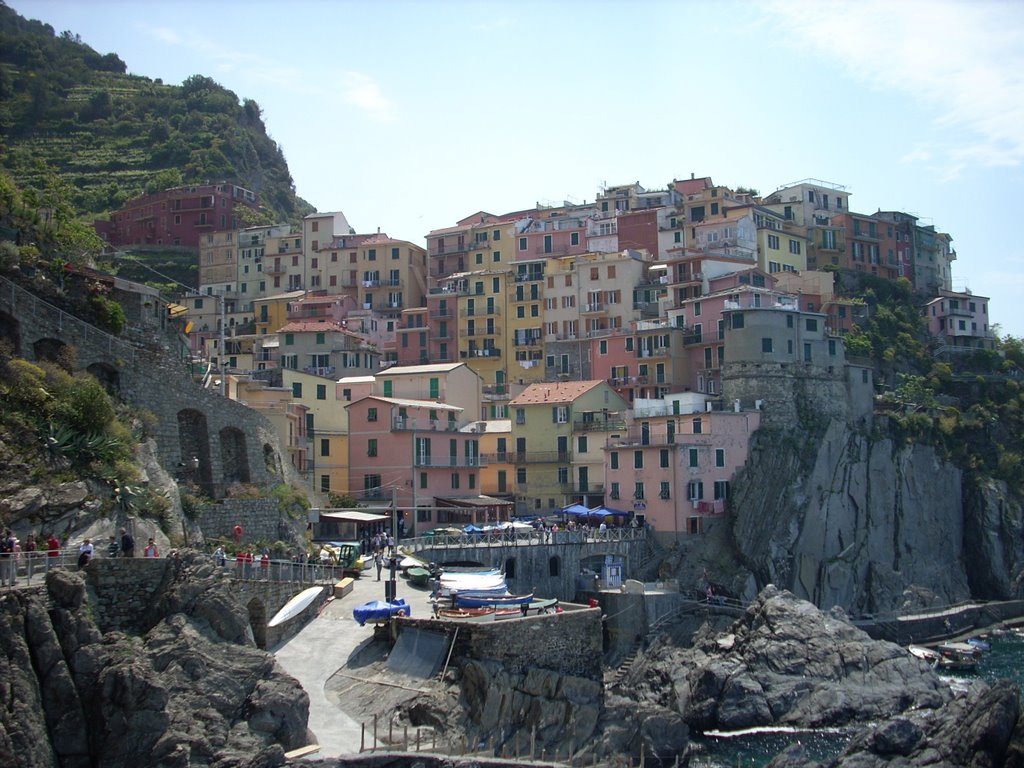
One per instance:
(85, 552)
(7, 575)
(52, 551)
(220, 557)
(113, 548)
(150, 549)
(378, 560)
(391, 545)
(127, 544)
(265, 565)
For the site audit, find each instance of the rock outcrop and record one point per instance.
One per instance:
(185, 693)
(785, 663)
(864, 523)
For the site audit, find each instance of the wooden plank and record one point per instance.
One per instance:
(309, 749)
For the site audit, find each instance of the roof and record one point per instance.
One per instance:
(352, 515)
(357, 380)
(400, 370)
(282, 296)
(474, 501)
(301, 326)
(489, 425)
(412, 403)
(556, 392)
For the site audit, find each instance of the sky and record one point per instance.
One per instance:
(408, 116)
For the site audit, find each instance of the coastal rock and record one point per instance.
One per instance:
(788, 664)
(983, 727)
(181, 694)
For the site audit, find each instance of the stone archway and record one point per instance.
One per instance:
(108, 376)
(10, 332)
(50, 350)
(258, 622)
(234, 456)
(194, 443)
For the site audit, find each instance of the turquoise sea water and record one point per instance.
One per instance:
(1004, 661)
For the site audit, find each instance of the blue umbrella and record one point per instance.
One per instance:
(609, 511)
(575, 509)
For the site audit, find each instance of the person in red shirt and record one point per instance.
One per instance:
(52, 551)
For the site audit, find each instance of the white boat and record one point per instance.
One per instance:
(295, 606)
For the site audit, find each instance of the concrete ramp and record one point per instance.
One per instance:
(418, 653)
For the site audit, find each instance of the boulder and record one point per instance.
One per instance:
(786, 664)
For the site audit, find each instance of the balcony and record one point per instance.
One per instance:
(275, 269)
(593, 307)
(540, 457)
(322, 370)
(502, 457)
(533, 342)
(640, 438)
(653, 352)
(598, 424)
(446, 462)
(554, 250)
(493, 330)
(529, 277)
(496, 391)
(407, 424)
(479, 311)
(448, 248)
(488, 352)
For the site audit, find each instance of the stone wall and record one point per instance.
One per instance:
(568, 643)
(122, 591)
(786, 389)
(233, 443)
(546, 570)
(261, 520)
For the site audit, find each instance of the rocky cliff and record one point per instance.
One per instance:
(854, 519)
(193, 690)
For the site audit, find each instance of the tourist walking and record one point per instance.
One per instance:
(127, 544)
(85, 552)
(378, 560)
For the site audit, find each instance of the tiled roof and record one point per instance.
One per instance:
(301, 326)
(416, 403)
(399, 370)
(556, 392)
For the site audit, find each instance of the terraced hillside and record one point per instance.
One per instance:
(111, 135)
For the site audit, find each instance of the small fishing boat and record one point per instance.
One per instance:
(418, 576)
(295, 606)
(959, 649)
(466, 614)
(471, 600)
(980, 643)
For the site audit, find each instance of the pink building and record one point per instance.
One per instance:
(959, 321)
(178, 216)
(388, 435)
(676, 462)
(645, 361)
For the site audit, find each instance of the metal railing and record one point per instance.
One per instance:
(523, 538)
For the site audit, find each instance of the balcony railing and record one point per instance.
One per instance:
(470, 353)
(528, 277)
(595, 425)
(407, 424)
(541, 457)
(449, 461)
(479, 311)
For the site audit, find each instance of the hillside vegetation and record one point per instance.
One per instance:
(110, 136)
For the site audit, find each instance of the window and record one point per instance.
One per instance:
(325, 446)
(614, 493)
(664, 492)
(560, 414)
(638, 459)
(581, 444)
(371, 414)
(697, 426)
(693, 458)
(455, 480)
(321, 391)
(435, 388)
(719, 457)
(297, 389)
(520, 415)
(664, 457)
(289, 339)
(721, 489)
(812, 324)
(371, 447)
(696, 309)
(614, 459)
(807, 353)
(389, 387)
(695, 490)
(574, 238)
(638, 490)
(794, 247)
(522, 243)
(766, 345)
(773, 242)
(737, 320)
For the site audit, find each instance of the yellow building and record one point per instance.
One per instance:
(326, 430)
(272, 311)
(497, 469)
(288, 418)
(558, 448)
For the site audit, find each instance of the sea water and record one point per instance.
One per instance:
(757, 747)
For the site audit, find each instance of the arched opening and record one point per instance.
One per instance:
(510, 568)
(108, 376)
(194, 443)
(10, 332)
(271, 460)
(258, 622)
(234, 457)
(554, 566)
(51, 350)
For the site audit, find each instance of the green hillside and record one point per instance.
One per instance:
(111, 136)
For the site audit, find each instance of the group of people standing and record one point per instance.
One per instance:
(49, 551)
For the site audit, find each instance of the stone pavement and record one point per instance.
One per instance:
(324, 646)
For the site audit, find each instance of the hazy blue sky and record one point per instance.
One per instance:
(410, 115)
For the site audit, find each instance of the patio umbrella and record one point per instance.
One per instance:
(609, 511)
(575, 509)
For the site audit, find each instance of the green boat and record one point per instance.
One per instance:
(418, 576)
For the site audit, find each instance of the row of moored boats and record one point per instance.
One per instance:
(953, 656)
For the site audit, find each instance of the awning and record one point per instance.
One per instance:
(353, 516)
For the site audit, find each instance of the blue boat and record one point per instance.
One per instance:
(378, 610)
(470, 600)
